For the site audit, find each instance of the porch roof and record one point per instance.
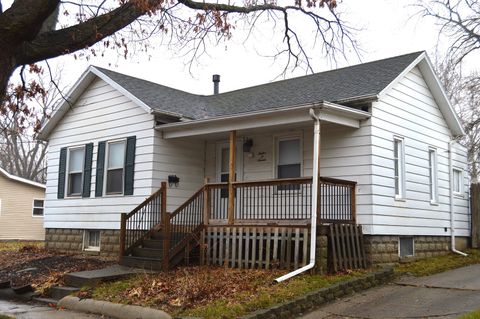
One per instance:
(330, 112)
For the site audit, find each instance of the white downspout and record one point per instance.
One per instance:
(452, 213)
(316, 169)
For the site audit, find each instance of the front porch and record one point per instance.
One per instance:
(264, 224)
(254, 207)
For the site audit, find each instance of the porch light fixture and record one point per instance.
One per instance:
(247, 145)
(173, 180)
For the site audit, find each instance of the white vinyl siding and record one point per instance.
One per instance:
(408, 109)
(433, 175)
(184, 157)
(100, 114)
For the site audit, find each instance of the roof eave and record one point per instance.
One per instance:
(331, 112)
(21, 179)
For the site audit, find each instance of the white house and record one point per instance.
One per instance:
(387, 127)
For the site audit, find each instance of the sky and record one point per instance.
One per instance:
(385, 28)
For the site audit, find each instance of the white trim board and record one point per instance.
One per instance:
(330, 112)
(21, 179)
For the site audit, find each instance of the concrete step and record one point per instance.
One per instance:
(47, 301)
(147, 252)
(153, 243)
(94, 277)
(58, 292)
(141, 262)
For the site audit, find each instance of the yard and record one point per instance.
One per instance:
(30, 263)
(189, 291)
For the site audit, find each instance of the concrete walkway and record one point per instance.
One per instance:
(445, 295)
(35, 311)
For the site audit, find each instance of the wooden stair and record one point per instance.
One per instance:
(151, 238)
(149, 254)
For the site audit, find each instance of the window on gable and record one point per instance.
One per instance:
(115, 167)
(399, 167)
(75, 171)
(37, 207)
(457, 181)
(433, 175)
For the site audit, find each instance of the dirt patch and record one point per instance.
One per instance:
(43, 268)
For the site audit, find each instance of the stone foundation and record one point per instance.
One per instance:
(71, 240)
(321, 255)
(384, 249)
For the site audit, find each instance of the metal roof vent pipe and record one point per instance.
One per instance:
(216, 83)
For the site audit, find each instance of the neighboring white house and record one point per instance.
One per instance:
(386, 125)
(21, 208)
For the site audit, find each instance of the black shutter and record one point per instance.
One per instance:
(100, 169)
(87, 170)
(62, 167)
(129, 165)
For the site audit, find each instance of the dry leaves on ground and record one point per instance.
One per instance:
(187, 287)
(43, 268)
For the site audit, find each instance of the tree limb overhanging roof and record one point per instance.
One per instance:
(354, 83)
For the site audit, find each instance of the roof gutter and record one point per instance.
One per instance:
(325, 105)
(21, 179)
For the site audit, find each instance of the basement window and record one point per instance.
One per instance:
(405, 247)
(91, 240)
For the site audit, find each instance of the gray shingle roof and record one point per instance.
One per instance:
(335, 85)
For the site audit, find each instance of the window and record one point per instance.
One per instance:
(399, 167)
(91, 240)
(75, 171)
(115, 168)
(457, 181)
(405, 247)
(289, 158)
(37, 208)
(433, 175)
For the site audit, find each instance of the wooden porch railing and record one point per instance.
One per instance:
(257, 202)
(144, 220)
(283, 199)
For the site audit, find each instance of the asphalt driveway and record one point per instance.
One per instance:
(445, 295)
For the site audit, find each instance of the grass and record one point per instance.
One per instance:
(433, 265)
(472, 315)
(244, 303)
(5, 317)
(211, 293)
(15, 245)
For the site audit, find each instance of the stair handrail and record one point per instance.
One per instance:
(169, 251)
(161, 195)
